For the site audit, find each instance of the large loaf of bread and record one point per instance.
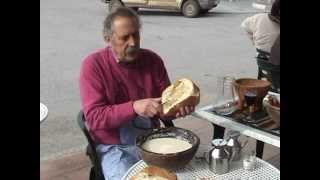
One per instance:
(181, 93)
(154, 173)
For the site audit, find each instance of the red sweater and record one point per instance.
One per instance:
(108, 89)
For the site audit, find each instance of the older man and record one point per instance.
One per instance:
(120, 89)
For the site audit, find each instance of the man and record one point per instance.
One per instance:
(275, 60)
(275, 52)
(120, 89)
(264, 28)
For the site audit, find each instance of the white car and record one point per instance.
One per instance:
(189, 8)
(264, 5)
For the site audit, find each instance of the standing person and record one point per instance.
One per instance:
(120, 89)
(275, 52)
(264, 28)
(275, 60)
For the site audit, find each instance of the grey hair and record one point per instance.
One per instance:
(119, 12)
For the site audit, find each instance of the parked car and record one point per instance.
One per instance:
(264, 5)
(189, 8)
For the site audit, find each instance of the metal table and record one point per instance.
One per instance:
(43, 112)
(198, 169)
(205, 114)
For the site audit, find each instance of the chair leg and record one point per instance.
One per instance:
(259, 73)
(259, 148)
(95, 174)
(92, 174)
(218, 131)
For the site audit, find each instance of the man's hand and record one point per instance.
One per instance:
(147, 107)
(184, 111)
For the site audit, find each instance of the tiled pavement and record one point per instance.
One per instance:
(76, 166)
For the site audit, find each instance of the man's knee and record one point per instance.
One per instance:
(115, 170)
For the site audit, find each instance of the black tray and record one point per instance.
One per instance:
(262, 120)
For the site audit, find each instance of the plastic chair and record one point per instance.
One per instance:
(271, 73)
(96, 172)
(268, 71)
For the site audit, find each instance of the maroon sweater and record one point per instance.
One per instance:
(108, 89)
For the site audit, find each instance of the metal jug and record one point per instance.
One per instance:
(233, 145)
(219, 157)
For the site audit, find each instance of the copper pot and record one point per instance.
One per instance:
(260, 86)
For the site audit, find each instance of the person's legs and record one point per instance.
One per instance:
(116, 160)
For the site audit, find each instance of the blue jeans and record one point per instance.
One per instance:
(117, 159)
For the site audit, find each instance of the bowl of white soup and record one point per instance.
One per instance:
(170, 148)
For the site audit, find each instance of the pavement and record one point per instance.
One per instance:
(76, 165)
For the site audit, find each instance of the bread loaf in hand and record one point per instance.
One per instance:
(154, 173)
(181, 93)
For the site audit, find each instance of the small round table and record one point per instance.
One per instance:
(43, 112)
(198, 169)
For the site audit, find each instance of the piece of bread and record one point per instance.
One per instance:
(181, 93)
(154, 173)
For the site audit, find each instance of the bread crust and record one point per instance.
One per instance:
(153, 172)
(192, 100)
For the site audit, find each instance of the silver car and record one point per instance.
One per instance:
(189, 8)
(264, 5)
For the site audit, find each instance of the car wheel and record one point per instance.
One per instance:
(191, 8)
(113, 4)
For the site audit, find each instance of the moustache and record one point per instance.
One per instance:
(132, 49)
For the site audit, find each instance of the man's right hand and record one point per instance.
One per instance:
(147, 107)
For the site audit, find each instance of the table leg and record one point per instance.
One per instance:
(259, 148)
(218, 131)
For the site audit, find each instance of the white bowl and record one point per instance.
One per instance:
(273, 111)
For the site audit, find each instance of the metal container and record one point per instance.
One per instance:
(233, 145)
(219, 157)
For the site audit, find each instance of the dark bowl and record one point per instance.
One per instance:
(261, 86)
(169, 161)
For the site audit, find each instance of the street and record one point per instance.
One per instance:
(197, 48)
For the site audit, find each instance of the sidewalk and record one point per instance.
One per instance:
(77, 165)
